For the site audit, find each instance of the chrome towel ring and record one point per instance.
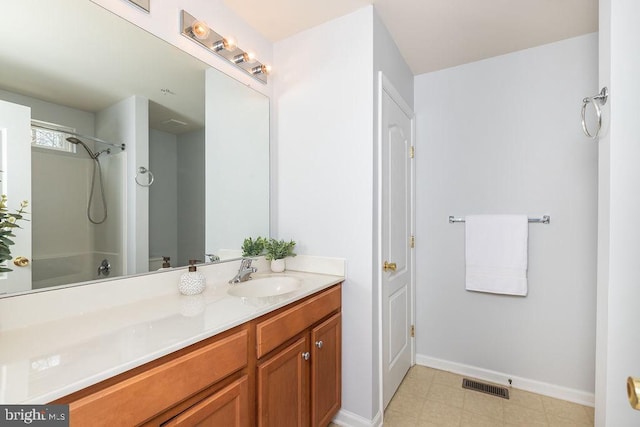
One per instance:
(141, 171)
(601, 99)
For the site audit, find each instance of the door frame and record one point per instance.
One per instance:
(18, 188)
(385, 85)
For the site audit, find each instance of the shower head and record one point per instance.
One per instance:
(76, 141)
(108, 151)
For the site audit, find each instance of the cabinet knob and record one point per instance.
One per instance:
(306, 355)
(319, 344)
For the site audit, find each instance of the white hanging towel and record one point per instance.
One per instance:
(496, 253)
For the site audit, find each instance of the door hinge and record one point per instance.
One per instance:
(413, 331)
(412, 152)
(412, 242)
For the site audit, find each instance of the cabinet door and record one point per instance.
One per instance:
(326, 370)
(283, 387)
(228, 407)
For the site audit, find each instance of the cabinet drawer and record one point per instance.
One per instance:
(229, 407)
(142, 396)
(289, 323)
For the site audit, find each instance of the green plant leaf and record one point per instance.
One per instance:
(6, 241)
(252, 247)
(279, 249)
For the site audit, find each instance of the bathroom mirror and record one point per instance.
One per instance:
(85, 71)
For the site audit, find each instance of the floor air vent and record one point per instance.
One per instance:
(485, 388)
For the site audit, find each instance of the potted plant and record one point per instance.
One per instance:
(8, 223)
(277, 251)
(251, 248)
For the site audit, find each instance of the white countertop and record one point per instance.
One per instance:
(41, 362)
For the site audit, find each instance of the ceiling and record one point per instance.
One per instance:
(436, 34)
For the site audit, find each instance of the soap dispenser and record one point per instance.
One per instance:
(166, 264)
(192, 282)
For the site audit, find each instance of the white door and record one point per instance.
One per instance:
(396, 187)
(15, 164)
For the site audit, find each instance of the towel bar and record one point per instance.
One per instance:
(546, 219)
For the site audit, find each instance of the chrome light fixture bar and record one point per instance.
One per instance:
(142, 4)
(201, 33)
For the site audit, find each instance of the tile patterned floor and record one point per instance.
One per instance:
(429, 397)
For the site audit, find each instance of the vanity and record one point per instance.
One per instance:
(173, 360)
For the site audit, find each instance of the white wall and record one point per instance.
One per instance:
(324, 100)
(619, 208)
(82, 121)
(503, 136)
(64, 241)
(60, 183)
(60, 191)
(128, 122)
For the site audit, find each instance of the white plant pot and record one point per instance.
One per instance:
(277, 265)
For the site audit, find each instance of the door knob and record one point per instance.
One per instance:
(633, 391)
(21, 261)
(389, 266)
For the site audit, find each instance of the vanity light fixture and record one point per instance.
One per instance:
(261, 69)
(200, 30)
(142, 4)
(225, 47)
(247, 57)
(227, 43)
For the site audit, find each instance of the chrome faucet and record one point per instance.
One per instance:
(212, 257)
(245, 271)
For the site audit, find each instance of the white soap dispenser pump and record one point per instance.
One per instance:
(192, 282)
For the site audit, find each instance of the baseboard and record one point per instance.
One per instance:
(349, 419)
(546, 389)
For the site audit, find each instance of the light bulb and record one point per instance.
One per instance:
(231, 43)
(200, 30)
(261, 69)
(227, 43)
(244, 57)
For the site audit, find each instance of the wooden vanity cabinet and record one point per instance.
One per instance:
(299, 366)
(281, 369)
(157, 391)
(283, 387)
(228, 407)
(326, 370)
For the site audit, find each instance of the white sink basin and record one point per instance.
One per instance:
(265, 287)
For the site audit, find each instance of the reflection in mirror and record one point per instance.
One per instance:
(98, 79)
(237, 191)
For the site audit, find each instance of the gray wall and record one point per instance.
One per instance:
(503, 136)
(191, 196)
(163, 196)
(176, 198)
(386, 58)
